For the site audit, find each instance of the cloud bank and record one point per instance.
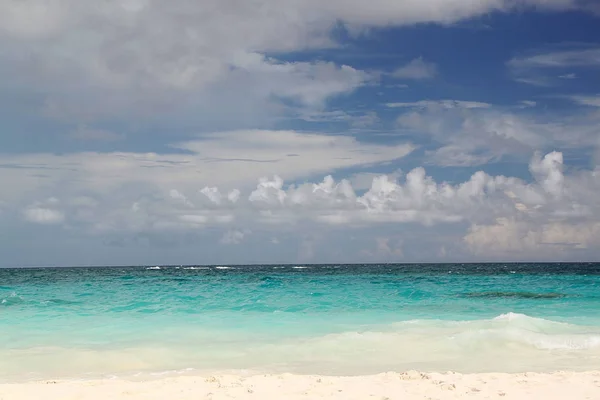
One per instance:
(500, 216)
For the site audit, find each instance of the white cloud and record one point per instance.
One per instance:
(548, 172)
(175, 194)
(233, 196)
(533, 68)
(182, 64)
(418, 198)
(586, 57)
(505, 216)
(416, 69)
(363, 180)
(126, 60)
(592, 101)
(534, 80)
(568, 76)
(527, 104)
(213, 194)
(442, 104)
(229, 159)
(40, 215)
(472, 133)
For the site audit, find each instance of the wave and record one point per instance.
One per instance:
(12, 300)
(511, 329)
(221, 267)
(509, 342)
(60, 302)
(196, 268)
(153, 268)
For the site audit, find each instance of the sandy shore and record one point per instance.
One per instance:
(407, 385)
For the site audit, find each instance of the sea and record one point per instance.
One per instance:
(154, 321)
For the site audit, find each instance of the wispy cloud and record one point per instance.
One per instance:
(468, 133)
(586, 57)
(535, 81)
(568, 76)
(447, 104)
(225, 158)
(593, 101)
(533, 68)
(416, 69)
(527, 104)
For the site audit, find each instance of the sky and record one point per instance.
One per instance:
(146, 132)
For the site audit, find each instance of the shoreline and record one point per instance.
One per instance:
(390, 385)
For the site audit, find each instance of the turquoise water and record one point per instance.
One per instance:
(328, 319)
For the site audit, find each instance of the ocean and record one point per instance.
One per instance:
(141, 322)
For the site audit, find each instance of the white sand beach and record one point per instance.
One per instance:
(387, 386)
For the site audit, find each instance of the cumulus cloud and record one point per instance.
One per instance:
(481, 201)
(363, 180)
(548, 172)
(485, 216)
(555, 210)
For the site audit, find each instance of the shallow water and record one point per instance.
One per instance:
(328, 319)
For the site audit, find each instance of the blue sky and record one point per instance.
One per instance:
(144, 132)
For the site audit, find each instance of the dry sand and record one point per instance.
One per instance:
(407, 385)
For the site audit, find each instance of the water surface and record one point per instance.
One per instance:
(326, 319)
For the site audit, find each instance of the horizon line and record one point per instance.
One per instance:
(295, 264)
